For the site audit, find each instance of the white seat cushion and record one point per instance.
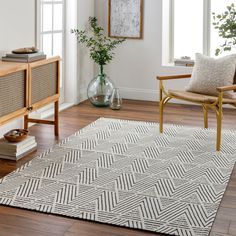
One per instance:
(209, 73)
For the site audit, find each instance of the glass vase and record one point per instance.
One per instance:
(116, 100)
(100, 89)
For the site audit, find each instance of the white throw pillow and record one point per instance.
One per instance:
(209, 74)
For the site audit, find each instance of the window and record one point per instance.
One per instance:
(50, 29)
(190, 28)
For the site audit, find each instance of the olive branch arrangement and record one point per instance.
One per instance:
(101, 47)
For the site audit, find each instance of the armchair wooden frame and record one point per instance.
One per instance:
(216, 105)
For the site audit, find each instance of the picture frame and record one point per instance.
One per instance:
(125, 19)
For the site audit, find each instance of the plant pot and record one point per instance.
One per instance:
(100, 90)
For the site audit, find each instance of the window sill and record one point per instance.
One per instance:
(172, 65)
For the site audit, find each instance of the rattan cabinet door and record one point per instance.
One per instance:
(13, 95)
(44, 82)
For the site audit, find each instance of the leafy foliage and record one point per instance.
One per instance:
(101, 47)
(226, 26)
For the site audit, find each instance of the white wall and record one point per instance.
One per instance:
(17, 24)
(85, 64)
(138, 62)
(17, 29)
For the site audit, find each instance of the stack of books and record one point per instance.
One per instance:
(15, 151)
(27, 57)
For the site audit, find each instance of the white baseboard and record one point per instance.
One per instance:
(139, 94)
(144, 95)
(49, 112)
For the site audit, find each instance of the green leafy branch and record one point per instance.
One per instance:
(101, 47)
(225, 23)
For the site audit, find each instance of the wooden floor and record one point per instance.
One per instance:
(26, 223)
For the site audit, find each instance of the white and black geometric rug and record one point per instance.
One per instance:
(125, 173)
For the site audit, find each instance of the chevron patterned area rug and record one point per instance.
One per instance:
(125, 173)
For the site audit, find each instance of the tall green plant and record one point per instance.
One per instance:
(225, 23)
(101, 47)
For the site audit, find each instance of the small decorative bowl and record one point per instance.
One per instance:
(16, 135)
(28, 50)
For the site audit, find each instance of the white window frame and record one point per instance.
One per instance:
(206, 29)
(39, 41)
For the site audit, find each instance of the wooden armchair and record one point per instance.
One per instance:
(207, 101)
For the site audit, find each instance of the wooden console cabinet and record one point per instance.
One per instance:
(26, 87)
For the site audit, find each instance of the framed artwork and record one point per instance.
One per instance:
(125, 19)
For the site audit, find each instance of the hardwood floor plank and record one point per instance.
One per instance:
(34, 221)
(23, 223)
(219, 234)
(229, 201)
(221, 226)
(226, 213)
(84, 228)
(232, 228)
(7, 230)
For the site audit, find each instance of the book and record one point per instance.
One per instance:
(26, 60)
(14, 147)
(27, 55)
(14, 154)
(16, 158)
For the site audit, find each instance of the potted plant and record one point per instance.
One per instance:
(101, 52)
(225, 23)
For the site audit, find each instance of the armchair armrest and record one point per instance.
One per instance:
(173, 77)
(226, 88)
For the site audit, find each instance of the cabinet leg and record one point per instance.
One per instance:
(26, 126)
(56, 118)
